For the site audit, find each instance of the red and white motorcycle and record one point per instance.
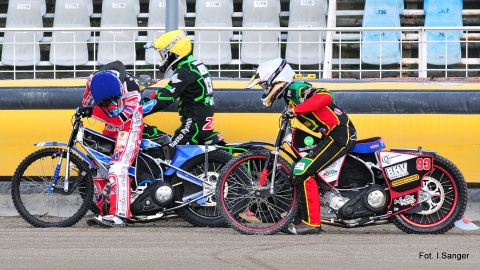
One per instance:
(418, 191)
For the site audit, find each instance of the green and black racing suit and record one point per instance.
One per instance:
(191, 85)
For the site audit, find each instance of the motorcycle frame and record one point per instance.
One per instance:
(76, 137)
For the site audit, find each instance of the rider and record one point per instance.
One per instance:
(316, 109)
(113, 96)
(191, 84)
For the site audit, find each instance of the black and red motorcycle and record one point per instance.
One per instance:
(419, 191)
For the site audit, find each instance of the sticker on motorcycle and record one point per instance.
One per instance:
(396, 171)
(405, 200)
(405, 180)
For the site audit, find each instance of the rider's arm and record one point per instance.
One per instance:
(179, 82)
(318, 100)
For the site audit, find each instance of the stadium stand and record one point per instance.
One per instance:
(156, 19)
(213, 47)
(306, 48)
(22, 48)
(259, 47)
(342, 55)
(118, 44)
(381, 47)
(443, 46)
(69, 47)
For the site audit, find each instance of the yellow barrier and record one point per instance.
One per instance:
(457, 141)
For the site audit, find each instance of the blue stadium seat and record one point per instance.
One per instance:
(401, 6)
(381, 47)
(443, 47)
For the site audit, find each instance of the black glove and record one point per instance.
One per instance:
(84, 111)
(145, 100)
(289, 113)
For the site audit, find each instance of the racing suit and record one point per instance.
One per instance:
(316, 110)
(126, 129)
(191, 84)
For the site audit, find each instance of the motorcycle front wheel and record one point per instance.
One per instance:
(38, 189)
(250, 208)
(446, 203)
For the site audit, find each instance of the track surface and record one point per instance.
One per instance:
(174, 244)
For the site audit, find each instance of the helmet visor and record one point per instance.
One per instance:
(112, 106)
(273, 93)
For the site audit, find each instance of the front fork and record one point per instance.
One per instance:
(266, 169)
(56, 174)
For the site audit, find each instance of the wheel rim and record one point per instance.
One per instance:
(209, 208)
(442, 202)
(249, 211)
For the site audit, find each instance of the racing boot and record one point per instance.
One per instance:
(303, 228)
(110, 221)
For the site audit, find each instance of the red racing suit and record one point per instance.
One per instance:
(126, 129)
(316, 109)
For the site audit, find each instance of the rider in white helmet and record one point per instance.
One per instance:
(316, 109)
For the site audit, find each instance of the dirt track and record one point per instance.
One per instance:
(174, 244)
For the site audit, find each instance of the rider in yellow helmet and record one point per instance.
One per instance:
(191, 85)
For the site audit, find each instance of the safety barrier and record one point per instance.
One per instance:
(435, 115)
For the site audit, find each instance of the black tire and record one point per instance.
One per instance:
(441, 210)
(251, 213)
(204, 214)
(34, 198)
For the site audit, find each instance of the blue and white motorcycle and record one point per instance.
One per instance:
(53, 187)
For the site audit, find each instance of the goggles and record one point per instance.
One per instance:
(112, 106)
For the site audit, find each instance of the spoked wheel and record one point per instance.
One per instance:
(444, 196)
(203, 212)
(250, 208)
(38, 189)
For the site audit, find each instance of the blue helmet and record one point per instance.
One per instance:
(106, 89)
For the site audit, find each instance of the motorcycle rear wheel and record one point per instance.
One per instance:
(446, 205)
(40, 200)
(205, 214)
(239, 202)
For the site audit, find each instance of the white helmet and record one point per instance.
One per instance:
(273, 76)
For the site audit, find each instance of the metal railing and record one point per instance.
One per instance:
(341, 58)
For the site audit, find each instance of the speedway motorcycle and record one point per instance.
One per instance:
(53, 187)
(419, 191)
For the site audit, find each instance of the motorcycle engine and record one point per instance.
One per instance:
(154, 199)
(369, 201)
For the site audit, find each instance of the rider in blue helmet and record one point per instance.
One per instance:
(113, 96)
(107, 93)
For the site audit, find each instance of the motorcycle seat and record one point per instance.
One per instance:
(369, 145)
